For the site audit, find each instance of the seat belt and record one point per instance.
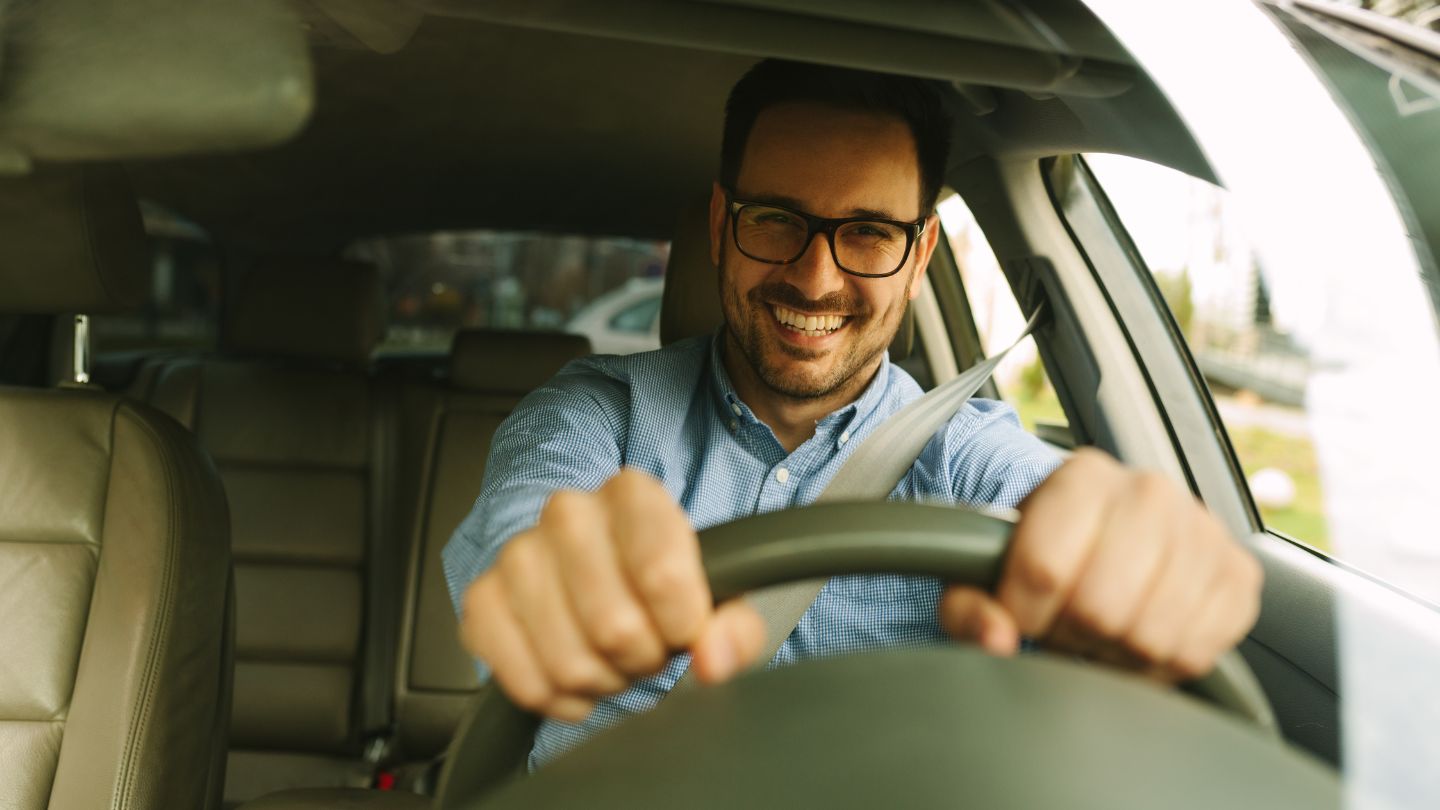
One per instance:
(871, 473)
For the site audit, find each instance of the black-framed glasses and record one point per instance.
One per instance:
(861, 246)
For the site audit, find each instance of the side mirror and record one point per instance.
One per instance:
(118, 79)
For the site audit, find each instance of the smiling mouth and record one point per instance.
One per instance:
(808, 325)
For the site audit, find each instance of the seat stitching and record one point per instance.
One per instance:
(165, 603)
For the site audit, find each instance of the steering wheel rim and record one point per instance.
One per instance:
(956, 544)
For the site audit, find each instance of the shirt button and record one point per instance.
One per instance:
(782, 475)
(735, 408)
(734, 426)
(845, 437)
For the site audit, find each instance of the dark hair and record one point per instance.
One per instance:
(776, 81)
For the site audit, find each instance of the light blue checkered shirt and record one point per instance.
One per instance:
(674, 413)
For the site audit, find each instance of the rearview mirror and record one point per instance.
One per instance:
(115, 79)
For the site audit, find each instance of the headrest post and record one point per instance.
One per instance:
(80, 356)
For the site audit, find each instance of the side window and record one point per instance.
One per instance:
(1020, 379)
(1188, 234)
(182, 312)
(1384, 77)
(638, 318)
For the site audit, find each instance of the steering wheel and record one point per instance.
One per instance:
(895, 706)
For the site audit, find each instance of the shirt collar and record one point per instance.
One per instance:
(732, 407)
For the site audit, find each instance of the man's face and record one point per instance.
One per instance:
(827, 162)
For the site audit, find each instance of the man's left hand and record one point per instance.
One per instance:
(1118, 566)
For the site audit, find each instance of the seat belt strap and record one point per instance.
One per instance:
(872, 472)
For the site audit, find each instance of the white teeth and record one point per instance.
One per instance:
(812, 325)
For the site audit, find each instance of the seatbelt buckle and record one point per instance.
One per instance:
(377, 752)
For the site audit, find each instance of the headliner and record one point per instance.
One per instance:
(481, 124)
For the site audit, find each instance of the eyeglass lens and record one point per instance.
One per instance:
(777, 235)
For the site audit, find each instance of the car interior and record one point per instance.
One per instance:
(220, 570)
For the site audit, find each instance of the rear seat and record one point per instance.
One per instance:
(335, 476)
(304, 441)
(490, 371)
(446, 437)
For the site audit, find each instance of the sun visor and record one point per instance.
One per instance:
(117, 79)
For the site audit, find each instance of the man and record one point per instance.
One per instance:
(578, 571)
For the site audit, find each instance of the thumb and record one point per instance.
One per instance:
(731, 641)
(969, 614)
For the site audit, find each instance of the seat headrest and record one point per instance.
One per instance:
(71, 240)
(690, 303)
(316, 310)
(510, 362)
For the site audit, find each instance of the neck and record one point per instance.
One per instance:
(792, 419)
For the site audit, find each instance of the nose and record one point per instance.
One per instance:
(815, 273)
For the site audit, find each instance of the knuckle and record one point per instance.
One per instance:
(1192, 664)
(1039, 574)
(662, 578)
(563, 507)
(1152, 486)
(577, 675)
(519, 558)
(528, 695)
(1150, 645)
(616, 632)
(1097, 621)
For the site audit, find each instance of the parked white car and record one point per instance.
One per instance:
(624, 320)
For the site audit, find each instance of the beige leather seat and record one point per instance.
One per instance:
(114, 544)
(304, 440)
(490, 371)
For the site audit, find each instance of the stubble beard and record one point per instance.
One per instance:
(747, 329)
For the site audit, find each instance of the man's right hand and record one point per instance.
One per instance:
(602, 591)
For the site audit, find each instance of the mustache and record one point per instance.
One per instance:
(778, 292)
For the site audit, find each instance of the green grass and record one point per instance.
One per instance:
(1303, 519)
(1039, 406)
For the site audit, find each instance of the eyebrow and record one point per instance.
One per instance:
(791, 202)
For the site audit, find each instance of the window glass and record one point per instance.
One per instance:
(639, 317)
(1189, 236)
(1020, 377)
(1389, 85)
(439, 283)
(182, 311)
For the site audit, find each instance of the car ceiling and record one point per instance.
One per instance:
(502, 115)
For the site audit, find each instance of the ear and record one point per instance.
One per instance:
(717, 221)
(924, 249)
